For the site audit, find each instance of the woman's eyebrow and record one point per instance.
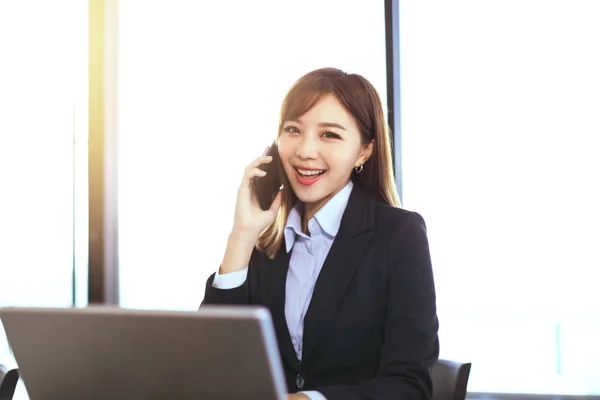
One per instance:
(331, 125)
(320, 125)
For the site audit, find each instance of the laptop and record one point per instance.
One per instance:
(218, 352)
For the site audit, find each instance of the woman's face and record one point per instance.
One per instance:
(319, 151)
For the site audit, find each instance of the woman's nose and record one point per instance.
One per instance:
(307, 148)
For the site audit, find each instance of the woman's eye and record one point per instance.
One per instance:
(291, 129)
(331, 135)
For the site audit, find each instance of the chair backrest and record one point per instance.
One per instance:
(450, 380)
(8, 382)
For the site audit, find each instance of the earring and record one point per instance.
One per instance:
(358, 169)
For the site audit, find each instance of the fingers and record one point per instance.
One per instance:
(250, 174)
(252, 170)
(260, 161)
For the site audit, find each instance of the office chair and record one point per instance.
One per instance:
(8, 382)
(450, 380)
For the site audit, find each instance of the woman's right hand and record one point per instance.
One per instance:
(250, 219)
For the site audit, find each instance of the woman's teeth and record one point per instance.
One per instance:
(309, 173)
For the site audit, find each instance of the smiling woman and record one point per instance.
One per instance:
(344, 271)
(331, 124)
(312, 150)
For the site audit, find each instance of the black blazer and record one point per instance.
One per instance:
(370, 331)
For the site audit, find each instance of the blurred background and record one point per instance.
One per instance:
(497, 138)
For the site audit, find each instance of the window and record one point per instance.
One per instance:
(199, 96)
(500, 121)
(43, 155)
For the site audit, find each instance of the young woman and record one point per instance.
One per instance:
(345, 272)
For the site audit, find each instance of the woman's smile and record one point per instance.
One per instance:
(308, 176)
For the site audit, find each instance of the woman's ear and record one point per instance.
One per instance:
(366, 153)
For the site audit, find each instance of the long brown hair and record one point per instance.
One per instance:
(361, 100)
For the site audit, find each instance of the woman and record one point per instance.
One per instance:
(345, 272)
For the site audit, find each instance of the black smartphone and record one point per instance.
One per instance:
(266, 187)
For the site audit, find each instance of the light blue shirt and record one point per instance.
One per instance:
(308, 256)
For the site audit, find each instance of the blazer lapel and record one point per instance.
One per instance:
(274, 295)
(344, 257)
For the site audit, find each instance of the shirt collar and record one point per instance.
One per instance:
(329, 216)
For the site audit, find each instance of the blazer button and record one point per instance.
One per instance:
(299, 381)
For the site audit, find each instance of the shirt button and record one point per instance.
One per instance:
(299, 381)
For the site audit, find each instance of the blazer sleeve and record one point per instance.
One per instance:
(411, 345)
(237, 295)
(213, 295)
